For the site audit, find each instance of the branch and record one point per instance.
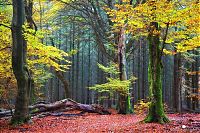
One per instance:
(34, 24)
(5, 26)
(131, 2)
(29, 17)
(7, 4)
(5, 48)
(165, 38)
(95, 21)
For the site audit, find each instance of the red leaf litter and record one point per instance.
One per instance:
(95, 123)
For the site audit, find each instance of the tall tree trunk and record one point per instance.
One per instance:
(195, 80)
(99, 74)
(138, 71)
(61, 77)
(70, 72)
(73, 61)
(188, 86)
(177, 83)
(124, 99)
(77, 72)
(82, 74)
(89, 70)
(156, 109)
(19, 65)
(29, 12)
(143, 68)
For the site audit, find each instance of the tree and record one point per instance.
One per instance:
(124, 99)
(29, 55)
(191, 80)
(195, 81)
(19, 63)
(100, 25)
(177, 82)
(154, 19)
(156, 108)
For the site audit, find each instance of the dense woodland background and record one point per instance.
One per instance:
(84, 72)
(85, 27)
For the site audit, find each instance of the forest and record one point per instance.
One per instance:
(72, 66)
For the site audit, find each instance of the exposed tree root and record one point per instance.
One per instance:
(161, 119)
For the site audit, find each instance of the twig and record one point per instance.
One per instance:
(5, 26)
(3, 4)
(5, 48)
(164, 39)
(29, 17)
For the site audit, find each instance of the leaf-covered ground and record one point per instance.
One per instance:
(115, 123)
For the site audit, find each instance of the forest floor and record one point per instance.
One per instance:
(115, 123)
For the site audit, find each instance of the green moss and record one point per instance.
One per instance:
(34, 110)
(156, 108)
(129, 107)
(15, 121)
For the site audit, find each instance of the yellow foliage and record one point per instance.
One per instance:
(179, 16)
(141, 107)
(169, 52)
(40, 59)
(48, 9)
(7, 80)
(113, 85)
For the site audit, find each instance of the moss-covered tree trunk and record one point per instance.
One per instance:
(156, 109)
(124, 99)
(20, 70)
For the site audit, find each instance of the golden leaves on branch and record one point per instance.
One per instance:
(179, 16)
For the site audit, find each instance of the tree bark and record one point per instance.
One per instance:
(124, 99)
(195, 80)
(65, 83)
(156, 109)
(28, 13)
(82, 76)
(73, 87)
(177, 83)
(60, 75)
(19, 65)
(77, 72)
(60, 106)
(187, 90)
(68, 103)
(89, 70)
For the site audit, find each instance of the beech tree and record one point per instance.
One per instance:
(156, 20)
(29, 57)
(100, 27)
(19, 63)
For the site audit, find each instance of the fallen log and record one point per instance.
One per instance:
(5, 113)
(43, 107)
(69, 103)
(62, 105)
